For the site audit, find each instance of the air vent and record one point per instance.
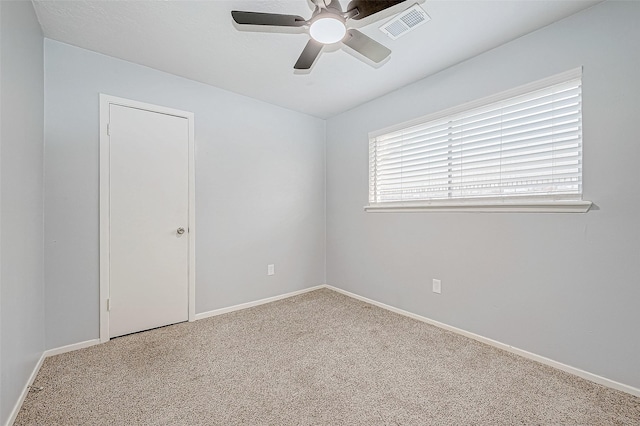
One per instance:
(404, 22)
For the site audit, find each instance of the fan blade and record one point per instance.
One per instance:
(366, 46)
(273, 19)
(369, 7)
(308, 55)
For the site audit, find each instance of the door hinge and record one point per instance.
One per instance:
(108, 129)
(108, 305)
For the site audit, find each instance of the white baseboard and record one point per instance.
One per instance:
(36, 369)
(526, 354)
(87, 343)
(25, 391)
(241, 306)
(72, 347)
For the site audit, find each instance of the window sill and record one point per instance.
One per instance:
(485, 207)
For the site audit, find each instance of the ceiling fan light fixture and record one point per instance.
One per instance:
(327, 30)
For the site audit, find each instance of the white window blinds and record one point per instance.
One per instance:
(527, 145)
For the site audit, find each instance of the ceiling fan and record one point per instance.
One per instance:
(327, 25)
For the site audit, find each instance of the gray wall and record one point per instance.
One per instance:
(565, 286)
(259, 189)
(21, 192)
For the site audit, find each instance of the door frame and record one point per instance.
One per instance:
(105, 102)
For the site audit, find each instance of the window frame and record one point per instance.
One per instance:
(511, 203)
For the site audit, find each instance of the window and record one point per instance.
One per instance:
(519, 150)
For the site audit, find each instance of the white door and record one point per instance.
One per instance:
(149, 209)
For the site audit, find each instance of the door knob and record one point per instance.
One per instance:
(180, 231)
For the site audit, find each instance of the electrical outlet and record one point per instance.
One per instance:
(271, 269)
(437, 286)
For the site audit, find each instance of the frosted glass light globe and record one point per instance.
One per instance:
(327, 30)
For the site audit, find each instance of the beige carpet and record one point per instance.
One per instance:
(320, 358)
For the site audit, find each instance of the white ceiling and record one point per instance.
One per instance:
(198, 40)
